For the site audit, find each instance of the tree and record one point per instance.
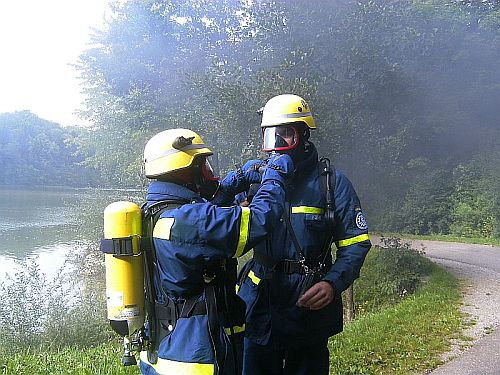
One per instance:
(402, 91)
(39, 152)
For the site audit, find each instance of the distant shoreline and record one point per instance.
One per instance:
(63, 187)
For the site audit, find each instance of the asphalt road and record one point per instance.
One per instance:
(478, 266)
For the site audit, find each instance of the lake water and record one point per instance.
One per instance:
(47, 225)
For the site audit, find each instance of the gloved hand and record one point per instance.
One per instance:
(251, 171)
(239, 180)
(279, 168)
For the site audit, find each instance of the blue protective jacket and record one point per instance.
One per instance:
(191, 241)
(272, 316)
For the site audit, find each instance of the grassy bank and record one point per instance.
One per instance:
(401, 339)
(104, 359)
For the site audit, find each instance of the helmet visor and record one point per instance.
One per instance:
(279, 138)
(208, 172)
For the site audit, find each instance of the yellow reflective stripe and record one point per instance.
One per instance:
(163, 227)
(167, 366)
(254, 278)
(245, 222)
(237, 288)
(236, 329)
(353, 240)
(307, 210)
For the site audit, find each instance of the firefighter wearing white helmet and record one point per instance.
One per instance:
(195, 320)
(292, 287)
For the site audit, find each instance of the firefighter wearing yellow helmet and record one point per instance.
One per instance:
(195, 321)
(292, 287)
(286, 122)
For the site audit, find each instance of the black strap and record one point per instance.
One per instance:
(167, 314)
(327, 186)
(150, 215)
(214, 327)
(192, 306)
(286, 216)
(122, 246)
(327, 193)
(287, 266)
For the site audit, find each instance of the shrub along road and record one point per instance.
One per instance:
(478, 266)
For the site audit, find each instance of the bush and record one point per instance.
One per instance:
(39, 313)
(390, 273)
(427, 206)
(475, 200)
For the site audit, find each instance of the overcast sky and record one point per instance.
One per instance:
(38, 39)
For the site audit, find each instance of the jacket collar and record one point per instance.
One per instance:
(309, 163)
(160, 190)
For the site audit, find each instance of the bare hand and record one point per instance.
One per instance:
(317, 296)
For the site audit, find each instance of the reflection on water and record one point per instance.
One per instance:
(48, 225)
(51, 259)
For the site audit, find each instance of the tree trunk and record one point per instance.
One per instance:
(350, 304)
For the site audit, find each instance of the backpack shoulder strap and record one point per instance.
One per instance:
(156, 209)
(150, 215)
(328, 180)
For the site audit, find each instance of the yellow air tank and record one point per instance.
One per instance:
(124, 268)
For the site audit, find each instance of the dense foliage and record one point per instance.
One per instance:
(39, 152)
(405, 94)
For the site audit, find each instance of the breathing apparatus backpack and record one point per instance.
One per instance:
(130, 270)
(124, 274)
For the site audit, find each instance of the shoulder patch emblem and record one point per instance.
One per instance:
(361, 221)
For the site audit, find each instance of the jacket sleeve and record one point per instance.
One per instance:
(350, 235)
(224, 231)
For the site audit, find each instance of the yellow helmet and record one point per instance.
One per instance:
(172, 150)
(286, 108)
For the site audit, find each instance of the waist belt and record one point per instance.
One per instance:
(171, 311)
(288, 266)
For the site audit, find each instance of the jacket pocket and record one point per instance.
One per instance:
(252, 290)
(315, 222)
(248, 286)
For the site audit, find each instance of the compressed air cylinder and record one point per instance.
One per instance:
(124, 273)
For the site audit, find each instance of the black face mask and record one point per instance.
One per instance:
(207, 185)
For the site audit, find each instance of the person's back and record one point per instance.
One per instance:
(198, 319)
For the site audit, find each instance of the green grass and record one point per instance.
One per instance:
(405, 339)
(104, 359)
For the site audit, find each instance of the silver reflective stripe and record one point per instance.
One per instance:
(173, 151)
(296, 115)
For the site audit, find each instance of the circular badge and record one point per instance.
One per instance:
(360, 221)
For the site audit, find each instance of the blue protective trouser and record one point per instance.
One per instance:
(266, 360)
